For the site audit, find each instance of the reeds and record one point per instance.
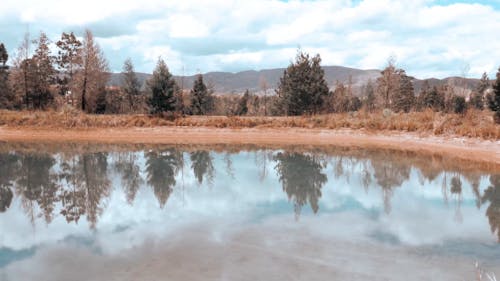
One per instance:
(474, 124)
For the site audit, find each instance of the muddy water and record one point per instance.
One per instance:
(102, 212)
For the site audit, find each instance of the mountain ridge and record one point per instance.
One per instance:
(236, 83)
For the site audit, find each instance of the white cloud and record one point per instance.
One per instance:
(428, 39)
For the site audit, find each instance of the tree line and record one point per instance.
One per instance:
(77, 75)
(76, 186)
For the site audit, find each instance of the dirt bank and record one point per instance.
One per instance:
(457, 147)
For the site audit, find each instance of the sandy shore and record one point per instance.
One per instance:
(458, 147)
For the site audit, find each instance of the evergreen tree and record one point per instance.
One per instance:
(477, 97)
(459, 105)
(369, 94)
(69, 61)
(42, 73)
(242, 108)
(302, 88)
(162, 88)
(494, 99)
(404, 97)
(6, 94)
(131, 84)
(432, 98)
(201, 98)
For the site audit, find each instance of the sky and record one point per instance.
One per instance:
(427, 38)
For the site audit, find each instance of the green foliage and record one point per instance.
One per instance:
(303, 88)
(404, 96)
(477, 97)
(431, 98)
(131, 84)
(201, 98)
(162, 88)
(242, 108)
(68, 60)
(459, 104)
(40, 74)
(6, 94)
(494, 99)
(369, 94)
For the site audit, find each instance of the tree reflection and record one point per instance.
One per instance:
(201, 163)
(161, 168)
(87, 184)
(9, 167)
(131, 179)
(492, 194)
(390, 175)
(302, 179)
(35, 184)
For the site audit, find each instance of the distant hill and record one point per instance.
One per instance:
(227, 82)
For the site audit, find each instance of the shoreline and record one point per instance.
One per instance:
(473, 149)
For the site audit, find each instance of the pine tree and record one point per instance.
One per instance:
(69, 61)
(43, 73)
(201, 98)
(477, 97)
(404, 96)
(369, 94)
(131, 84)
(494, 99)
(161, 87)
(242, 108)
(302, 88)
(6, 95)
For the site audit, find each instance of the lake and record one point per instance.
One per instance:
(194, 212)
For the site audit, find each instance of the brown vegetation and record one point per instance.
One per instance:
(475, 124)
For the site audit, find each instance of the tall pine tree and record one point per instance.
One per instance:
(131, 84)
(302, 88)
(162, 88)
(201, 97)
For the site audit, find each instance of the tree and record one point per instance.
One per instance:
(6, 94)
(161, 87)
(94, 74)
(431, 98)
(492, 195)
(201, 97)
(494, 99)
(242, 108)
(404, 96)
(477, 97)
(302, 88)
(388, 84)
(459, 105)
(20, 79)
(369, 94)
(42, 73)
(131, 84)
(69, 61)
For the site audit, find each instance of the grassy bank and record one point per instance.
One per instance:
(475, 124)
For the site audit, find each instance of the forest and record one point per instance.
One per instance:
(75, 78)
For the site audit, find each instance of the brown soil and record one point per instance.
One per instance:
(455, 147)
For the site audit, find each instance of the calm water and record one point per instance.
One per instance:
(87, 212)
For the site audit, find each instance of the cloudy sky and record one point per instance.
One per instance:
(428, 38)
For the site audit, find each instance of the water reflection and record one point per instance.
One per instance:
(76, 183)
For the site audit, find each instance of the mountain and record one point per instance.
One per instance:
(227, 82)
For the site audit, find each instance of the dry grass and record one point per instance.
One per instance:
(475, 124)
